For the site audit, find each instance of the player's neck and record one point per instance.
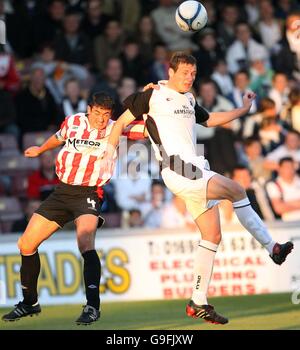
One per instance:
(172, 86)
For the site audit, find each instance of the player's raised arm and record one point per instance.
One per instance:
(123, 121)
(51, 143)
(220, 118)
(137, 104)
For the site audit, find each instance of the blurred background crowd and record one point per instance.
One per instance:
(59, 52)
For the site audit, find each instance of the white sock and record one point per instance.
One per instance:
(253, 223)
(204, 261)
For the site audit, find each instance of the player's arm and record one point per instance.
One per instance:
(51, 143)
(220, 118)
(137, 105)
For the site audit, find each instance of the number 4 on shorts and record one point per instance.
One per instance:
(91, 201)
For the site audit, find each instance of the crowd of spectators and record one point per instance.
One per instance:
(59, 52)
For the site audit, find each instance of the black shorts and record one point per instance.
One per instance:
(68, 202)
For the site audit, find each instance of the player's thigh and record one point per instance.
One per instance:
(221, 187)
(86, 227)
(209, 225)
(38, 230)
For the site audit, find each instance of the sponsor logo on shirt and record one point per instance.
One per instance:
(185, 111)
(83, 143)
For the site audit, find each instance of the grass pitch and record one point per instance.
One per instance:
(259, 312)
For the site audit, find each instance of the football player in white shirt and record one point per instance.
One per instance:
(171, 115)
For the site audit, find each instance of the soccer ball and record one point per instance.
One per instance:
(191, 16)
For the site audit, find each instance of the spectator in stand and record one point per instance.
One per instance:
(175, 215)
(166, 27)
(255, 192)
(49, 25)
(73, 101)
(153, 209)
(159, 67)
(288, 58)
(269, 27)
(58, 72)
(135, 218)
(110, 82)
(18, 40)
(147, 39)
(284, 192)
(241, 85)
(95, 20)
(212, 102)
(36, 108)
(127, 87)
(128, 11)
(252, 11)
(134, 189)
(7, 114)
(267, 110)
(9, 76)
(290, 148)
(260, 75)
(280, 91)
(222, 78)
(226, 28)
(270, 131)
(132, 62)
(41, 183)
(293, 110)
(72, 45)
(208, 53)
(256, 161)
(108, 45)
(20, 225)
(243, 47)
(285, 7)
(222, 151)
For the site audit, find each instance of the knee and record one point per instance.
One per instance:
(26, 247)
(214, 237)
(85, 241)
(236, 192)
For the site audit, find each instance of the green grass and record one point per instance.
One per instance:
(260, 312)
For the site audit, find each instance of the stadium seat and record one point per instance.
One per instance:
(35, 138)
(19, 186)
(17, 165)
(10, 211)
(8, 145)
(112, 220)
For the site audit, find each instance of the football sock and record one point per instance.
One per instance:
(92, 275)
(29, 272)
(204, 260)
(253, 223)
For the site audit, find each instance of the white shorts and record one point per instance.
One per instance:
(193, 192)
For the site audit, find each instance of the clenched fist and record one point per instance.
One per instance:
(248, 98)
(32, 152)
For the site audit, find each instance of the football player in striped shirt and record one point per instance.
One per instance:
(77, 198)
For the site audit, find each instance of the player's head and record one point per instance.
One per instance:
(100, 110)
(182, 71)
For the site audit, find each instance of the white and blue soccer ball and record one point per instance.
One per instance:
(191, 16)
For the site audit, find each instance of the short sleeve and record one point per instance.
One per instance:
(273, 191)
(61, 134)
(201, 114)
(138, 103)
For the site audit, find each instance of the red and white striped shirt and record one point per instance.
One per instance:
(78, 162)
